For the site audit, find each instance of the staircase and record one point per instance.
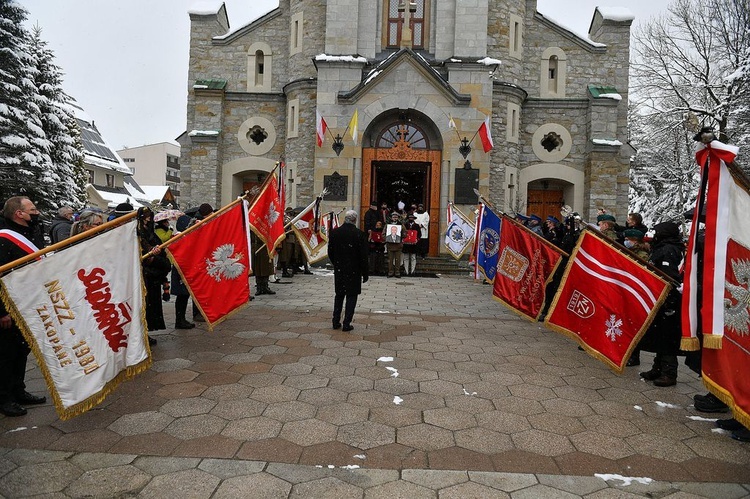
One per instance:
(443, 265)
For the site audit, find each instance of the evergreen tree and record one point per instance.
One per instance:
(60, 127)
(24, 148)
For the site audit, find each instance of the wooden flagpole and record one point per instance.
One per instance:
(69, 241)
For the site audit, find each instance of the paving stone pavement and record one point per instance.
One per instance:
(475, 402)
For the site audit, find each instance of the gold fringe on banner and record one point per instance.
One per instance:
(690, 344)
(712, 341)
(63, 412)
(737, 412)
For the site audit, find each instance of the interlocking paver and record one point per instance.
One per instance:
(274, 388)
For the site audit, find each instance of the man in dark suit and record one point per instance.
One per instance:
(347, 250)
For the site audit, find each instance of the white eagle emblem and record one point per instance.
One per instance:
(272, 214)
(737, 308)
(225, 264)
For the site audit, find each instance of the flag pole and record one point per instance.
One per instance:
(69, 241)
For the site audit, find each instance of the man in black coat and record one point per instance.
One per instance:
(20, 235)
(347, 250)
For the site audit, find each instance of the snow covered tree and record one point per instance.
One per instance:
(59, 125)
(690, 69)
(24, 148)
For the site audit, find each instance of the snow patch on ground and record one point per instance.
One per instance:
(667, 405)
(626, 480)
(385, 359)
(700, 418)
(637, 408)
(397, 400)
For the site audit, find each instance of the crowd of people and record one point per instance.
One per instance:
(396, 237)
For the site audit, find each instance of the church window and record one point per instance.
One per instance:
(554, 66)
(516, 36)
(292, 118)
(295, 38)
(257, 135)
(403, 133)
(397, 10)
(259, 63)
(552, 142)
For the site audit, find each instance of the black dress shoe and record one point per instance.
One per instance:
(651, 375)
(12, 410)
(729, 424)
(709, 403)
(27, 398)
(665, 380)
(337, 325)
(347, 328)
(152, 341)
(633, 361)
(742, 435)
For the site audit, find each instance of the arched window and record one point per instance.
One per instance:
(552, 81)
(259, 59)
(404, 133)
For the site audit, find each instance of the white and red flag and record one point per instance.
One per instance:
(725, 313)
(485, 135)
(724, 201)
(525, 264)
(266, 217)
(320, 128)
(82, 312)
(606, 300)
(310, 232)
(214, 262)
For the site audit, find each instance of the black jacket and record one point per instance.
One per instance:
(347, 250)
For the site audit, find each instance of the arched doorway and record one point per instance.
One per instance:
(401, 162)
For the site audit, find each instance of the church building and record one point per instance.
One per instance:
(422, 76)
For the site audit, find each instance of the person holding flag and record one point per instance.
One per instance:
(18, 237)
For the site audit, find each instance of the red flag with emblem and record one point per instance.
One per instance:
(214, 262)
(266, 217)
(725, 315)
(526, 263)
(606, 300)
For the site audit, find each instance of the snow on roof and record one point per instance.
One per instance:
(340, 58)
(155, 192)
(203, 133)
(618, 14)
(115, 198)
(205, 7)
(582, 36)
(489, 61)
(606, 142)
(610, 96)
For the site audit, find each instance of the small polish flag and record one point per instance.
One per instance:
(485, 133)
(320, 127)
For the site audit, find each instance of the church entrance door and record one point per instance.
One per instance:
(544, 202)
(405, 182)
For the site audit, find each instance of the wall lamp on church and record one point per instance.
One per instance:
(338, 144)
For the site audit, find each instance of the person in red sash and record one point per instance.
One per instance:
(20, 235)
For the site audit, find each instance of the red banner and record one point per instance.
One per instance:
(606, 300)
(525, 265)
(266, 218)
(214, 262)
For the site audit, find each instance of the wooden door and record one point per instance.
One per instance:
(544, 203)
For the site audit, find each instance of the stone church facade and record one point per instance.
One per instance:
(557, 104)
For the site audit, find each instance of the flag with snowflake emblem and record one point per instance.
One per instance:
(266, 216)
(726, 291)
(606, 300)
(214, 262)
